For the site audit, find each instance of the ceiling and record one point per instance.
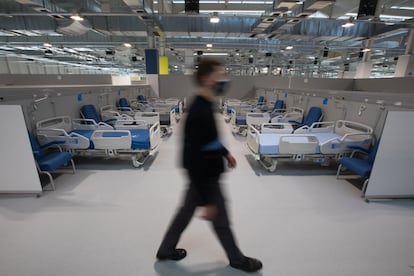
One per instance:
(252, 36)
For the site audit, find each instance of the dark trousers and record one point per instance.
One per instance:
(221, 224)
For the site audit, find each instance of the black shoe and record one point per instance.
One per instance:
(248, 265)
(176, 255)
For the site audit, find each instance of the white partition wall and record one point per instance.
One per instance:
(392, 175)
(18, 171)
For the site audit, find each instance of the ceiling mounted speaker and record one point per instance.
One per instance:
(325, 52)
(367, 9)
(192, 6)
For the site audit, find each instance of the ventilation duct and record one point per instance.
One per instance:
(41, 5)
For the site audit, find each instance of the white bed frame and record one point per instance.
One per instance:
(305, 146)
(56, 130)
(151, 118)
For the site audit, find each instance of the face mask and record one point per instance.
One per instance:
(221, 87)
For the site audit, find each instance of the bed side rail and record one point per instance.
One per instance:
(155, 135)
(342, 144)
(232, 116)
(253, 139)
(295, 114)
(149, 117)
(343, 127)
(298, 144)
(130, 124)
(285, 128)
(111, 139)
(60, 137)
(172, 117)
(89, 124)
(59, 122)
(109, 112)
(317, 127)
(257, 118)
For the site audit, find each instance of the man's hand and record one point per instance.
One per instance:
(209, 212)
(231, 161)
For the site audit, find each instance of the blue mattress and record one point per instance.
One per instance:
(269, 142)
(140, 137)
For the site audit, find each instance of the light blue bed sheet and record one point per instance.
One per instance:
(269, 142)
(139, 137)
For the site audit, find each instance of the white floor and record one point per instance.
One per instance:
(109, 218)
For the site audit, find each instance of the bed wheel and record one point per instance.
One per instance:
(135, 162)
(272, 168)
(164, 131)
(269, 164)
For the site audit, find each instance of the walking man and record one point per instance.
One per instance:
(203, 156)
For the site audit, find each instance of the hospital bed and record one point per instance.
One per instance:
(156, 104)
(150, 118)
(84, 137)
(320, 143)
(239, 113)
(169, 110)
(240, 121)
(234, 105)
(281, 116)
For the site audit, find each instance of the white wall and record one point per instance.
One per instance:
(16, 154)
(391, 174)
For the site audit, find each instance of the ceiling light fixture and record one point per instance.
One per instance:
(76, 17)
(128, 45)
(366, 50)
(349, 23)
(209, 45)
(47, 44)
(212, 54)
(290, 47)
(214, 18)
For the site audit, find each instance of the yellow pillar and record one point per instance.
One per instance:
(163, 65)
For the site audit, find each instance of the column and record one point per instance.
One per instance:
(364, 68)
(405, 64)
(188, 62)
(152, 69)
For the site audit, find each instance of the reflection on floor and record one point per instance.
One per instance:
(109, 218)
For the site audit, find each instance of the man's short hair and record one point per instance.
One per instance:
(206, 66)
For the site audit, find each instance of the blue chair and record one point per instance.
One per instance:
(314, 115)
(124, 106)
(88, 111)
(123, 102)
(278, 107)
(142, 99)
(361, 167)
(47, 163)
